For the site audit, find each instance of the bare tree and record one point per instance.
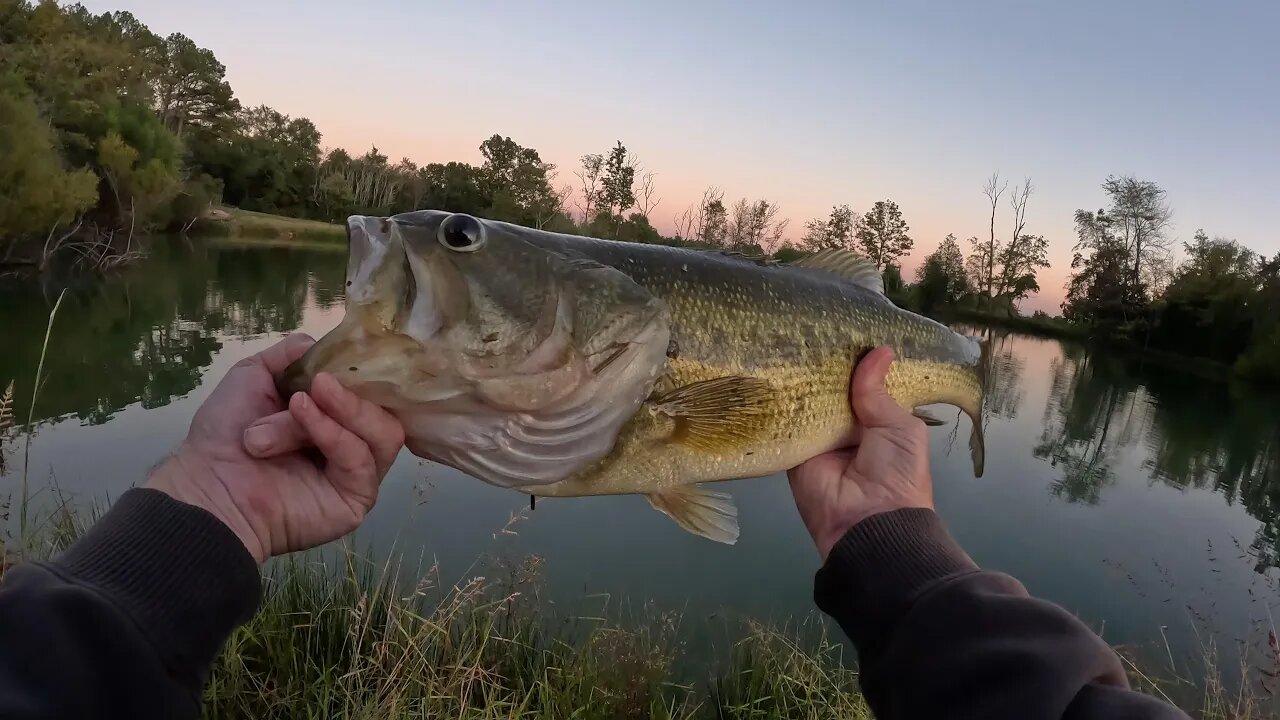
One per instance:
(1018, 242)
(590, 175)
(754, 224)
(704, 220)
(645, 199)
(554, 206)
(993, 190)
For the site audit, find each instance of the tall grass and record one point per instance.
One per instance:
(356, 643)
(31, 413)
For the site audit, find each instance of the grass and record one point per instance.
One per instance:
(237, 223)
(357, 644)
(342, 638)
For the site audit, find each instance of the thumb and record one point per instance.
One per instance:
(873, 406)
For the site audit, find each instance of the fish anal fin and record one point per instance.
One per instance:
(717, 415)
(700, 511)
(846, 265)
(928, 418)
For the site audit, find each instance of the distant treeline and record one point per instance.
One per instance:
(108, 131)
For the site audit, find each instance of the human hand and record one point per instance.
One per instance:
(888, 470)
(282, 479)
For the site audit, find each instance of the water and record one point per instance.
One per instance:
(1140, 498)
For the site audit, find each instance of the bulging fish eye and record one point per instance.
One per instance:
(461, 233)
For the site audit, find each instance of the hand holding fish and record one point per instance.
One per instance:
(888, 470)
(251, 461)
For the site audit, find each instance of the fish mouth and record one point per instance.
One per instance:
(381, 293)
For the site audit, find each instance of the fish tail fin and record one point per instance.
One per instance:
(973, 408)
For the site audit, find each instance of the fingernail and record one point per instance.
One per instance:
(258, 439)
(323, 383)
(303, 400)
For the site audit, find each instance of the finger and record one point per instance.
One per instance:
(349, 462)
(378, 428)
(873, 406)
(275, 435)
(277, 357)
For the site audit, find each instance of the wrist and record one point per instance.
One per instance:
(191, 480)
(853, 517)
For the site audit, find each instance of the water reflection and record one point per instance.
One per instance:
(1103, 410)
(146, 334)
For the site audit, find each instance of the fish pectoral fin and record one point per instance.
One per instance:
(717, 415)
(927, 418)
(700, 511)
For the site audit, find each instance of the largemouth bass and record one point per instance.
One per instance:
(560, 365)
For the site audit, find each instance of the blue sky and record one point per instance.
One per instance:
(810, 106)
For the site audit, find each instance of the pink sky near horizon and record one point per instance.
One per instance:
(808, 107)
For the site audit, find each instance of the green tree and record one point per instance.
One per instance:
(941, 279)
(617, 184)
(834, 232)
(1208, 306)
(1101, 290)
(1019, 261)
(883, 234)
(36, 193)
(1262, 360)
(517, 181)
(190, 88)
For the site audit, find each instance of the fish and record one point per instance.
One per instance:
(566, 366)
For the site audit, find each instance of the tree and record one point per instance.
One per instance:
(190, 88)
(715, 223)
(754, 226)
(617, 192)
(834, 232)
(589, 175)
(645, 200)
(1101, 290)
(983, 270)
(1140, 216)
(1019, 261)
(36, 194)
(517, 181)
(1208, 307)
(941, 280)
(883, 234)
(1013, 259)
(689, 222)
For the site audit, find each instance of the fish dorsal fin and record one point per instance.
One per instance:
(700, 511)
(717, 415)
(846, 265)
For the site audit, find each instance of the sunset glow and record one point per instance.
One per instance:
(813, 107)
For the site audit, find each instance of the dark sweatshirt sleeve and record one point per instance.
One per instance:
(938, 637)
(127, 622)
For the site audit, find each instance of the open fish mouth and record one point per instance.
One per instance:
(510, 361)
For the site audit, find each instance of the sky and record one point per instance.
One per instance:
(808, 105)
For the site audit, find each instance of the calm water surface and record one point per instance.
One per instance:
(1142, 499)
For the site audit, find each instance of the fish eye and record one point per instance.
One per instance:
(461, 233)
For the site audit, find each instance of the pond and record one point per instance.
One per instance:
(1140, 498)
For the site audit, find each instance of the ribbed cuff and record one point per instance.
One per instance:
(880, 567)
(179, 572)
